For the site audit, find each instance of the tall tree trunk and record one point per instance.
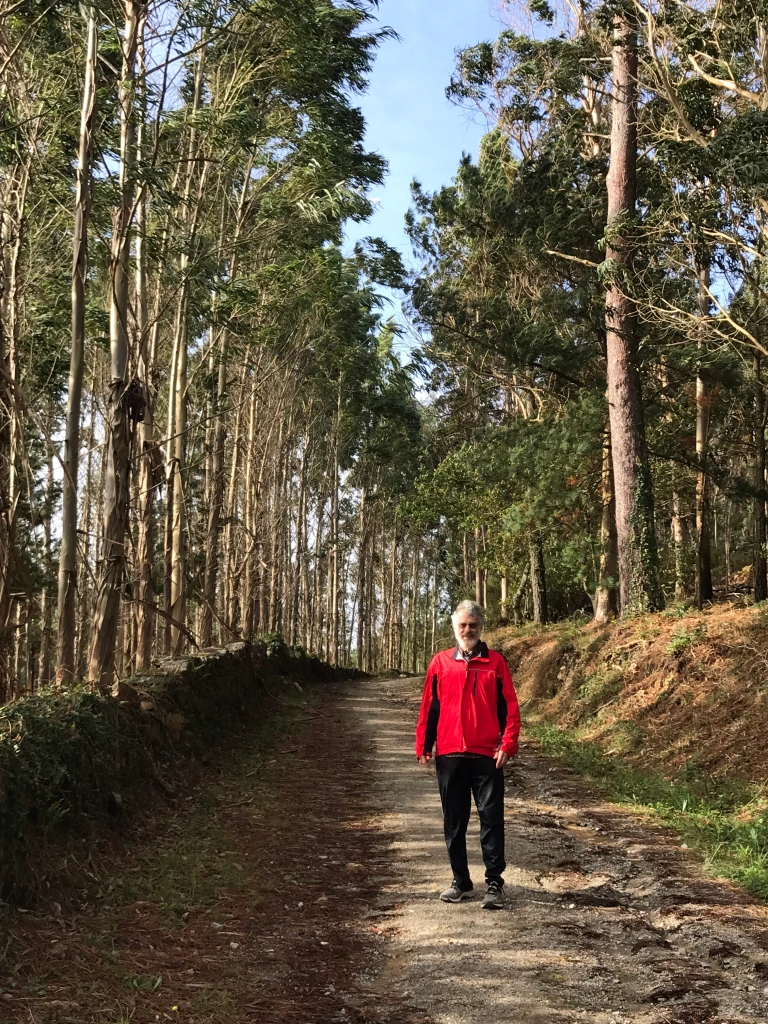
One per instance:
(216, 496)
(362, 580)
(433, 625)
(371, 652)
(86, 526)
(177, 606)
(517, 600)
(759, 572)
(7, 399)
(178, 384)
(478, 570)
(391, 609)
(639, 584)
(46, 604)
(170, 486)
(150, 462)
(414, 602)
(678, 541)
(317, 642)
(230, 581)
(607, 597)
(334, 574)
(727, 548)
(704, 590)
(538, 578)
(305, 600)
(249, 517)
(67, 593)
(13, 214)
(301, 544)
(503, 599)
(124, 404)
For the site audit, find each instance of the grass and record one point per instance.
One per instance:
(726, 821)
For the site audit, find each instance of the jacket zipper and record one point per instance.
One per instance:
(466, 680)
(474, 685)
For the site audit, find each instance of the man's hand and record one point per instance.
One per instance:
(501, 758)
(424, 758)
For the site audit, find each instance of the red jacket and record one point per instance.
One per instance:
(468, 706)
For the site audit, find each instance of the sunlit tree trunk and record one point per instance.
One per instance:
(639, 585)
(177, 479)
(250, 520)
(606, 598)
(334, 574)
(704, 590)
(230, 580)
(362, 573)
(478, 570)
(759, 570)
(503, 599)
(414, 603)
(391, 608)
(67, 593)
(47, 645)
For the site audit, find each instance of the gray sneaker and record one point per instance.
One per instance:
(494, 897)
(455, 894)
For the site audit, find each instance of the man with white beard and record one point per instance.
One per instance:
(470, 715)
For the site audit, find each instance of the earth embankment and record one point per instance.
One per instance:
(673, 692)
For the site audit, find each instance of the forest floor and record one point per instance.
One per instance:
(296, 881)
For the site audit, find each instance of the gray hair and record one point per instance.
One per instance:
(471, 608)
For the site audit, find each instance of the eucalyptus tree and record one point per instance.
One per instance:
(67, 604)
(35, 130)
(274, 74)
(125, 400)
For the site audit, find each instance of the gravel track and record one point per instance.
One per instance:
(607, 919)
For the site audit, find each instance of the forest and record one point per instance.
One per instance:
(206, 434)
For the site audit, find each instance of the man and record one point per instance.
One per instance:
(469, 709)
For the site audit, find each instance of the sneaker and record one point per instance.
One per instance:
(455, 894)
(494, 897)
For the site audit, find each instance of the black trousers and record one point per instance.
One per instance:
(459, 779)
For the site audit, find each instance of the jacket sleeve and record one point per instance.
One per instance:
(509, 711)
(426, 728)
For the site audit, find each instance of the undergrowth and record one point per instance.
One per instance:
(75, 762)
(726, 821)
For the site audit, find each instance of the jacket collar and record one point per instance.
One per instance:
(480, 651)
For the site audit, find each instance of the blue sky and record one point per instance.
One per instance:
(410, 122)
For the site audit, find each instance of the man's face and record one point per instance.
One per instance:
(467, 630)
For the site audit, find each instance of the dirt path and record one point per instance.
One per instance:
(607, 920)
(296, 883)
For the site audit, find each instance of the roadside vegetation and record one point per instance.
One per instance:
(664, 714)
(726, 823)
